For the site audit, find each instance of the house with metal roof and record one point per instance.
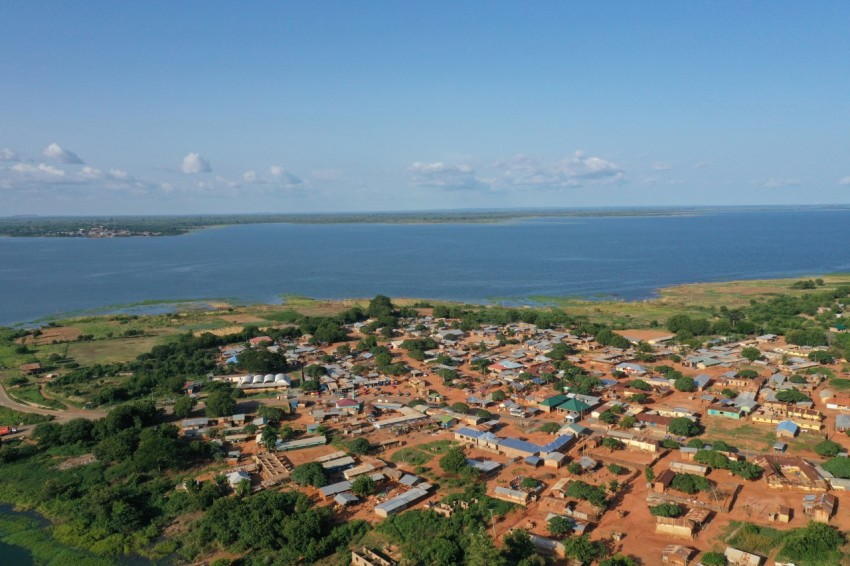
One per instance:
(400, 503)
(787, 429)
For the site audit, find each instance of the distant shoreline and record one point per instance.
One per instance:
(160, 226)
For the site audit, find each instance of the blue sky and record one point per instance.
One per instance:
(193, 107)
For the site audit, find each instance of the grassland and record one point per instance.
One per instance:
(693, 299)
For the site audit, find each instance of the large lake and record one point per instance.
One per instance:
(623, 257)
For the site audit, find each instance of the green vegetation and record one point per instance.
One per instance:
(28, 533)
(816, 544)
(592, 494)
(690, 483)
(828, 448)
(311, 473)
(683, 426)
(666, 510)
(838, 466)
(9, 417)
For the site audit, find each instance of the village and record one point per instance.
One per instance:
(651, 448)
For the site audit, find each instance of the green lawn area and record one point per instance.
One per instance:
(839, 384)
(8, 417)
(30, 394)
(744, 436)
(410, 456)
(754, 538)
(106, 350)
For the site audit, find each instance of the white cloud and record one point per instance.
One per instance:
(776, 183)
(574, 171)
(446, 176)
(250, 176)
(41, 168)
(279, 174)
(62, 155)
(662, 166)
(7, 154)
(194, 163)
(844, 180)
(119, 174)
(91, 173)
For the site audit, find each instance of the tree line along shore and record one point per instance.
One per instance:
(300, 433)
(155, 225)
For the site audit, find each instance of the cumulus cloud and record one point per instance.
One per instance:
(844, 180)
(281, 175)
(7, 154)
(575, 170)
(193, 163)
(62, 155)
(446, 176)
(662, 166)
(250, 176)
(119, 174)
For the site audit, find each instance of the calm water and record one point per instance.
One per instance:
(627, 258)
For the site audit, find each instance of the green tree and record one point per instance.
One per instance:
(262, 361)
(311, 473)
(498, 396)
(454, 460)
(517, 546)
(559, 526)
(480, 551)
(649, 474)
(183, 406)
(689, 483)
(619, 560)
(220, 404)
(817, 543)
(529, 483)
(574, 468)
(550, 428)
(685, 384)
(363, 486)
(583, 549)
(791, 396)
(627, 422)
(358, 446)
(683, 426)
(612, 443)
(751, 354)
(269, 438)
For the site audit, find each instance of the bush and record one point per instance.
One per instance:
(839, 467)
(685, 384)
(828, 448)
(713, 559)
(550, 428)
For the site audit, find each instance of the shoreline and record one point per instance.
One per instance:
(679, 296)
(161, 226)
